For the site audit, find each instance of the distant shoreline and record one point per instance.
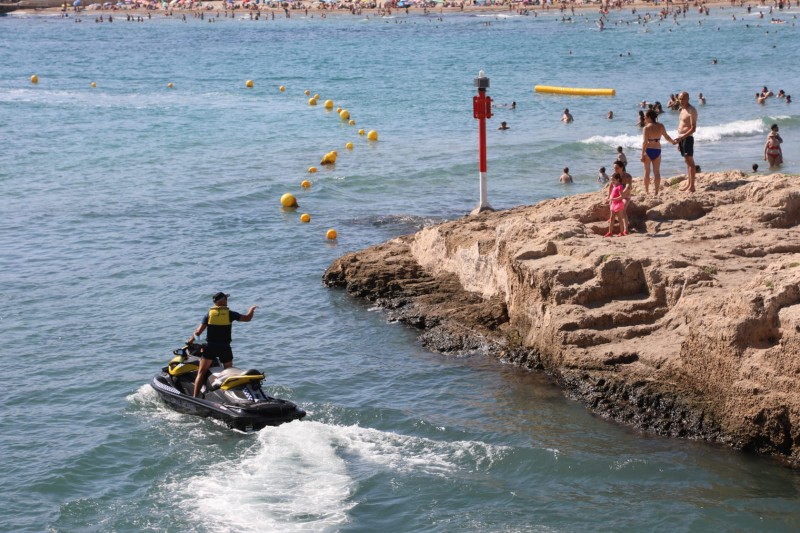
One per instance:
(263, 9)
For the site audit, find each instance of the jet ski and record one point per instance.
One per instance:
(231, 395)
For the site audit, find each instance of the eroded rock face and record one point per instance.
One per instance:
(688, 327)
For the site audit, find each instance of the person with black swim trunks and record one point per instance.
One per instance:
(687, 125)
(651, 149)
(219, 322)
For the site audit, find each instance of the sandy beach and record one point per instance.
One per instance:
(316, 8)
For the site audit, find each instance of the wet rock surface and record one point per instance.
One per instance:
(688, 327)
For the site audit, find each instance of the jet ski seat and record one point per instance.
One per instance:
(234, 377)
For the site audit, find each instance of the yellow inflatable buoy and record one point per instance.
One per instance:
(311, 170)
(344, 114)
(305, 218)
(93, 84)
(34, 79)
(328, 104)
(169, 85)
(550, 89)
(372, 135)
(329, 158)
(349, 146)
(249, 84)
(331, 234)
(316, 97)
(312, 101)
(288, 200)
(361, 132)
(281, 88)
(305, 184)
(306, 92)
(352, 122)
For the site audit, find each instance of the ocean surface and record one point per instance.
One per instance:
(126, 206)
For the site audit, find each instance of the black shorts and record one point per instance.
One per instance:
(687, 146)
(218, 351)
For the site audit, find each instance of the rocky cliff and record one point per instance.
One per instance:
(688, 327)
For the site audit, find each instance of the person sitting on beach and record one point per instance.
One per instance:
(503, 126)
(565, 177)
(620, 156)
(602, 177)
(772, 149)
(566, 117)
(616, 206)
(651, 150)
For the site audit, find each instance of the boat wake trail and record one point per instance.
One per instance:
(302, 475)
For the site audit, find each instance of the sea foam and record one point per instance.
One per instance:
(301, 476)
(737, 128)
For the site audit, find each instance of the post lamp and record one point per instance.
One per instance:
(481, 110)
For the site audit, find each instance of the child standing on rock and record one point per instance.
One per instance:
(617, 206)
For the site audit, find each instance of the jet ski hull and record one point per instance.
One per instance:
(243, 415)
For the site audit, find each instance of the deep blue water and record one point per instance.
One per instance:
(126, 206)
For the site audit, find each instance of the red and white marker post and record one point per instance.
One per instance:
(481, 110)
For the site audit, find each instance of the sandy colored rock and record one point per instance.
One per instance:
(688, 327)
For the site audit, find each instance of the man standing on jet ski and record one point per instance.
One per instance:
(219, 321)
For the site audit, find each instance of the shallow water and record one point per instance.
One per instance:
(128, 205)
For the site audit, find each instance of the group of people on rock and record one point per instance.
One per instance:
(620, 189)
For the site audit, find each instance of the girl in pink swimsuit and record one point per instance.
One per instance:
(617, 205)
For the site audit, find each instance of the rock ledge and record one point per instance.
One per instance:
(688, 327)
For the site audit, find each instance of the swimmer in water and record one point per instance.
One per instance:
(566, 118)
(503, 126)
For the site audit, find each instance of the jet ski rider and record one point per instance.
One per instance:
(219, 321)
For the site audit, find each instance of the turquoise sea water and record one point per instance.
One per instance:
(126, 206)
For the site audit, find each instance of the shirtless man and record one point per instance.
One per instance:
(687, 125)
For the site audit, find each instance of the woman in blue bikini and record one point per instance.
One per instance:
(651, 148)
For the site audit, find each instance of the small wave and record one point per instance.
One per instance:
(144, 396)
(627, 141)
(737, 128)
(781, 120)
(411, 222)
